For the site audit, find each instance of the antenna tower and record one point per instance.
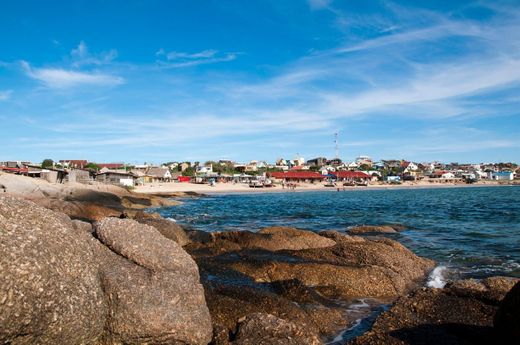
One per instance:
(336, 144)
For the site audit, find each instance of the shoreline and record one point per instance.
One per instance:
(175, 187)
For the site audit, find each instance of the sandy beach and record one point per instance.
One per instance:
(225, 188)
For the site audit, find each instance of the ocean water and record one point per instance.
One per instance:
(468, 231)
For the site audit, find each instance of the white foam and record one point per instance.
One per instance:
(359, 305)
(436, 279)
(339, 337)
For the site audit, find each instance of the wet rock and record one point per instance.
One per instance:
(167, 228)
(308, 287)
(491, 290)
(507, 318)
(199, 237)
(293, 239)
(272, 239)
(141, 201)
(229, 303)
(50, 292)
(379, 268)
(267, 329)
(381, 229)
(460, 314)
(220, 335)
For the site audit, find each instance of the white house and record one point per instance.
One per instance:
(159, 174)
(448, 175)
(502, 176)
(205, 169)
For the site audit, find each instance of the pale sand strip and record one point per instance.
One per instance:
(225, 188)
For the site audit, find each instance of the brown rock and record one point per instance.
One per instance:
(491, 290)
(379, 268)
(308, 287)
(293, 239)
(272, 239)
(363, 229)
(83, 226)
(267, 329)
(60, 285)
(167, 228)
(85, 211)
(507, 318)
(133, 240)
(50, 292)
(156, 308)
(454, 315)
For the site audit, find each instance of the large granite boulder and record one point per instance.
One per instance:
(163, 302)
(61, 285)
(50, 291)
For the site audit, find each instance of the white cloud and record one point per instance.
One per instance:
(5, 95)
(81, 56)
(61, 78)
(205, 54)
(177, 59)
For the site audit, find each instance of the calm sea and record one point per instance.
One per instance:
(473, 231)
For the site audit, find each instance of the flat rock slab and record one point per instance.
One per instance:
(267, 329)
(311, 287)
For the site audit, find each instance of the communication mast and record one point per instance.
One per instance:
(336, 144)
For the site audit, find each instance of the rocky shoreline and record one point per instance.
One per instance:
(73, 272)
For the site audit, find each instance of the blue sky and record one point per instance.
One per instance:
(158, 81)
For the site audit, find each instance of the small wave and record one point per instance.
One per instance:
(340, 337)
(172, 219)
(361, 304)
(436, 278)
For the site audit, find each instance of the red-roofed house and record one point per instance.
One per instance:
(348, 175)
(297, 176)
(111, 166)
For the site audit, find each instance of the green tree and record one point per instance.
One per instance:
(47, 163)
(190, 171)
(92, 166)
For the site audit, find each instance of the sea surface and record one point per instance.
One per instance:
(469, 231)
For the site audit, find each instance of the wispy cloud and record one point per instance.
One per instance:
(81, 56)
(382, 89)
(319, 4)
(5, 95)
(61, 78)
(175, 59)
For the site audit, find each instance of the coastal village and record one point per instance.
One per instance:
(284, 173)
